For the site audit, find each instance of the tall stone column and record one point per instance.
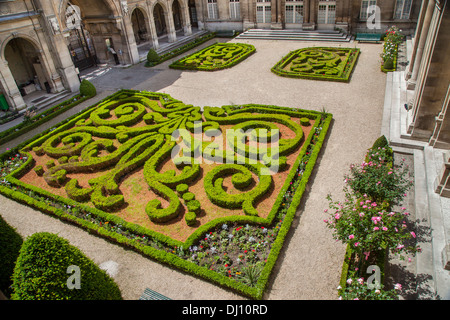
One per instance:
(151, 26)
(131, 53)
(247, 14)
(187, 28)
(420, 47)
(310, 12)
(306, 11)
(171, 33)
(11, 91)
(276, 15)
(409, 70)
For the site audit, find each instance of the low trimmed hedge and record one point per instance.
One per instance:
(215, 57)
(41, 272)
(180, 50)
(394, 63)
(344, 67)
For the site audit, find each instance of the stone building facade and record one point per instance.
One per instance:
(428, 85)
(349, 15)
(45, 43)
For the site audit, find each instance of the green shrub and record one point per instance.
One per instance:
(41, 272)
(182, 188)
(152, 56)
(194, 206)
(190, 218)
(304, 121)
(188, 196)
(10, 243)
(39, 170)
(87, 89)
(381, 142)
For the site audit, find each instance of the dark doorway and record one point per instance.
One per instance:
(193, 14)
(139, 26)
(177, 15)
(160, 23)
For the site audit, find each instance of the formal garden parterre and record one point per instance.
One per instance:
(217, 56)
(109, 170)
(318, 63)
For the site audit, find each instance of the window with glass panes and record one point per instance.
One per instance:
(213, 11)
(294, 11)
(365, 4)
(327, 12)
(402, 9)
(235, 10)
(263, 11)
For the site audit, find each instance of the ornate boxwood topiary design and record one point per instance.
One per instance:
(119, 169)
(318, 63)
(215, 57)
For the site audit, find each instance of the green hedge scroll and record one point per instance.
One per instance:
(318, 63)
(118, 171)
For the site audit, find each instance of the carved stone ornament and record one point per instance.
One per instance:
(124, 5)
(54, 24)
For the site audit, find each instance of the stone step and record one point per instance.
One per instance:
(295, 35)
(49, 100)
(174, 45)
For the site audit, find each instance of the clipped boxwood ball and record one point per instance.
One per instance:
(49, 268)
(304, 121)
(190, 218)
(152, 56)
(87, 89)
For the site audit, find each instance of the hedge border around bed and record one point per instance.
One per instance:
(234, 61)
(322, 120)
(277, 68)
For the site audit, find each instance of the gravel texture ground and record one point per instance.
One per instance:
(310, 263)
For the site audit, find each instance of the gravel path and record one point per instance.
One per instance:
(310, 263)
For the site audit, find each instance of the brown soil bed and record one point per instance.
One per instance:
(137, 194)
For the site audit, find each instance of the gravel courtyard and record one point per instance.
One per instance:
(310, 263)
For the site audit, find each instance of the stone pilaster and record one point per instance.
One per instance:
(11, 92)
(420, 46)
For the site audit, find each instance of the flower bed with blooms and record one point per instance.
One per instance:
(392, 39)
(366, 221)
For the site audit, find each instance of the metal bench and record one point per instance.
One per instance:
(152, 295)
(368, 37)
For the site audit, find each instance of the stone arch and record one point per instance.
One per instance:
(177, 14)
(29, 64)
(185, 17)
(111, 6)
(160, 13)
(140, 23)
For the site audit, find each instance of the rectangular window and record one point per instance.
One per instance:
(213, 12)
(263, 12)
(327, 14)
(294, 13)
(235, 10)
(402, 9)
(365, 4)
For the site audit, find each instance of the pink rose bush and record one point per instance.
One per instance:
(366, 221)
